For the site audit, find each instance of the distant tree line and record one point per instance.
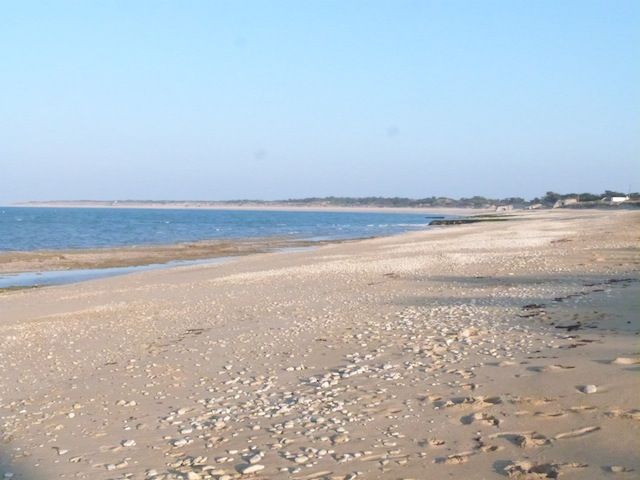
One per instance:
(549, 199)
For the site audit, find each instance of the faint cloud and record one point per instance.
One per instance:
(392, 131)
(260, 154)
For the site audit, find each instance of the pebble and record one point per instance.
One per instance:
(251, 469)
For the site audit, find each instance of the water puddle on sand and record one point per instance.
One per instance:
(62, 277)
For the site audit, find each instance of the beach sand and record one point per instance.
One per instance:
(483, 351)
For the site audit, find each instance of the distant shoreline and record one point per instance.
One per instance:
(249, 206)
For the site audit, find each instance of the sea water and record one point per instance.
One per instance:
(32, 228)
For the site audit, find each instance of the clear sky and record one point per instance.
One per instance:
(277, 99)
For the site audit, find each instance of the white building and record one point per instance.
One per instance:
(619, 199)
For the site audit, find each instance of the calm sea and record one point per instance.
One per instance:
(23, 229)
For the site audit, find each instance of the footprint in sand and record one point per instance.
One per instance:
(482, 418)
(455, 458)
(526, 470)
(467, 402)
(434, 442)
(633, 414)
(550, 368)
(524, 439)
(532, 400)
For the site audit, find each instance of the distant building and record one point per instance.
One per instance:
(619, 199)
(615, 200)
(535, 206)
(565, 202)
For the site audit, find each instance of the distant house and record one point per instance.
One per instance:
(564, 202)
(504, 208)
(535, 206)
(617, 199)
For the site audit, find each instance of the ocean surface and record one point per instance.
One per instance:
(26, 229)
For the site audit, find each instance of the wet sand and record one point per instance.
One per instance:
(52, 260)
(488, 351)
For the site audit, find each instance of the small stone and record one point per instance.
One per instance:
(251, 469)
(340, 438)
(619, 469)
(129, 443)
(589, 389)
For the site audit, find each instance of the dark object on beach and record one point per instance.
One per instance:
(571, 328)
(561, 240)
(434, 216)
(533, 306)
(619, 280)
(194, 331)
(462, 221)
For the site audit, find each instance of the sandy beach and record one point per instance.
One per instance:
(485, 351)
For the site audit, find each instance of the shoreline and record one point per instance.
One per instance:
(105, 261)
(484, 351)
(17, 262)
(58, 259)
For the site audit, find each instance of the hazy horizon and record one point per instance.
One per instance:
(275, 100)
(232, 200)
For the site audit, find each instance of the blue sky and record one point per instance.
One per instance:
(257, 99)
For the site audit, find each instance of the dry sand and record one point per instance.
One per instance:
(492, 350)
